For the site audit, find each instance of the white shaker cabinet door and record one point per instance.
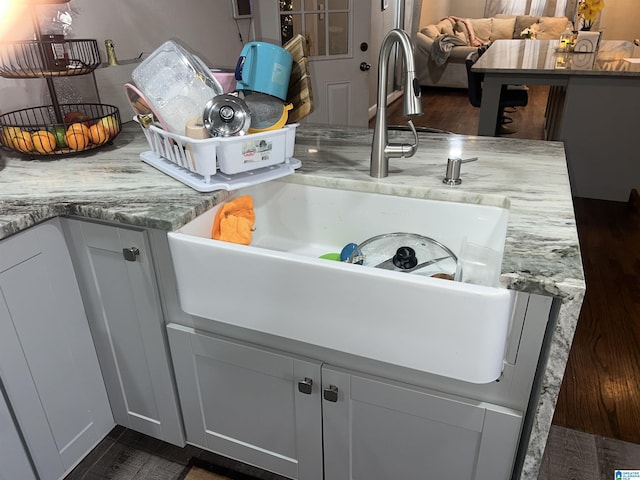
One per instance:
(14, 462)
(375, 428)
(118, 284)
(48, 363)
(253, 404)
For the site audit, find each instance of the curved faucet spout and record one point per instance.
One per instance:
(381, 150)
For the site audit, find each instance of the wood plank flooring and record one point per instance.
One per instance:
(575, 455)
(127, 455)
(601, 388)
(449, 109)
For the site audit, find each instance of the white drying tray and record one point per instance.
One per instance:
(220, 181)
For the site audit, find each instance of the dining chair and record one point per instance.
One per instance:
(509, 97)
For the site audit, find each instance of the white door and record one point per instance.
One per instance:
(48, 363)
(378, 428)
(256, 405)
(338, 33)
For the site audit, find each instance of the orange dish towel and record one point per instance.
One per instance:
(234, 221)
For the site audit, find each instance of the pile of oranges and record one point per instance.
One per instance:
(77, 136)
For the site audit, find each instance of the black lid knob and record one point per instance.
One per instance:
(405, 258)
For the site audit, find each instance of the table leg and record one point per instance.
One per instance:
(490, 105)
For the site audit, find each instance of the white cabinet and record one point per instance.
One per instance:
(117, 280)
(376, 428)
(255, 405)
(14, 460)
(48, 363)
(306, 420)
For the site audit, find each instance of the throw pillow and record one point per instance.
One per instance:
(550, 28)
(482, 28)
(502, 28)
(522, 22)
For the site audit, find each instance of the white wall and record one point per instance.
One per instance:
(620, 20)
(433, 10)
(466, 8)
(135, 26)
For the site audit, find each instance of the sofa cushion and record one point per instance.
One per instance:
(550, 28)
(482, 28)
(431, 31)
(502, 28)
(522, 22)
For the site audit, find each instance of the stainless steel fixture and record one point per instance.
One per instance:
(382, 150)
(452, 176)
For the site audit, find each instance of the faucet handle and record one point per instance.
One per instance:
(452, 176)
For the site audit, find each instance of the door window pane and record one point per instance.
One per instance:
(338, 4)
(289, 26)
(338, 33)
(290, 5)
(311, 5)
(324, 23)
(315, 29)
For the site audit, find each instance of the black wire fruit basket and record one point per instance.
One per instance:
(52, 56)
(68, 130)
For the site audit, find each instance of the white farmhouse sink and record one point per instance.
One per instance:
(278, 285)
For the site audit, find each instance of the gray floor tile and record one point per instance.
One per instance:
(616, 455)
(569, 455)
(128, 455)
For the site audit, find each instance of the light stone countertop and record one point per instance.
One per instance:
(528, 177)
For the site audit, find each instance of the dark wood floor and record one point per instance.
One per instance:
(601, 389)
(449, 109)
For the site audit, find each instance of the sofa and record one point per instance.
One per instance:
(441, 48)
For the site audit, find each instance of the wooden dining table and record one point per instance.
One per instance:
(593, 106)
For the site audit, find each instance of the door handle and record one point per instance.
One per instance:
(330, 394)
(364, 66)
(305, 386)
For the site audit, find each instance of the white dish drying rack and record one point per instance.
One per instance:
(222, 163)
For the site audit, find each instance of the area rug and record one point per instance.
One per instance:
(200, 470)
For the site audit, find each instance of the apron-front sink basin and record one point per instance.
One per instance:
(280, 286)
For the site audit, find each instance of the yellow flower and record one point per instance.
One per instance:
(588, 11)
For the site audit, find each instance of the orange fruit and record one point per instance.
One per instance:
(43, 141)
(22, 141)
(110, 125)
(97, 134)
(8, 133)
(79, 127)
(76, 140)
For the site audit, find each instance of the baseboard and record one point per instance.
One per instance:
(634, 201)
(392, 97)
